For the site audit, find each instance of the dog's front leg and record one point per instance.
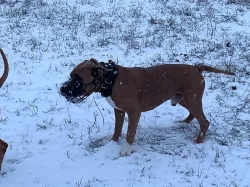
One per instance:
(133, 119)
(119, 119)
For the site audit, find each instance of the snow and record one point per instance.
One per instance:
(54, 143)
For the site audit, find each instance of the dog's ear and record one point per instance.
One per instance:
(94, 61)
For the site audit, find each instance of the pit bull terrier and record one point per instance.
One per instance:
(134, 90)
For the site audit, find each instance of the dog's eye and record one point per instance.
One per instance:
(94, 72)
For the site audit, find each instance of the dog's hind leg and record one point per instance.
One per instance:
(195, 107)
(119, 119)
(190, 116)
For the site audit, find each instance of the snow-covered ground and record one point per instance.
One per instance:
(53, 143)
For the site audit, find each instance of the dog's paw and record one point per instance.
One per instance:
(200, 138)
(126, 149)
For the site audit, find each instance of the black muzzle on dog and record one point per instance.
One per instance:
(73, 90)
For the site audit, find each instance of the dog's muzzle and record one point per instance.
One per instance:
(73, 90)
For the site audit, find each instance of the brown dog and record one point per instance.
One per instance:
(3, 145)
(3, 148)
(133, 90)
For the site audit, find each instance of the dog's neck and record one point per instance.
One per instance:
(109, 77)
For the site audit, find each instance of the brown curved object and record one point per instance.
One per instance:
(3, 148)
(6, 68)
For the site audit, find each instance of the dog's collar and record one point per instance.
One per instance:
(109, 77)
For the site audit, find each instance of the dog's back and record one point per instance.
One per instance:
(154, 85)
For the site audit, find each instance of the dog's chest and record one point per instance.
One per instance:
(111, 102)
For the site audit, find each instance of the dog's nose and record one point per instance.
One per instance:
(62, 89)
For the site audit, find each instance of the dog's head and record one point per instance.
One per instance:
(86, 78)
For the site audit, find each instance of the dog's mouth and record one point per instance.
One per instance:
(75, 99)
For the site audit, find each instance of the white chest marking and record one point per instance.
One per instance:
(111, 102)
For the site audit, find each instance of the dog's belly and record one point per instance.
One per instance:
(111, 102)
(150, 105)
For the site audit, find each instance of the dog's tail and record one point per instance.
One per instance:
(6, 68)
(201, 68)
